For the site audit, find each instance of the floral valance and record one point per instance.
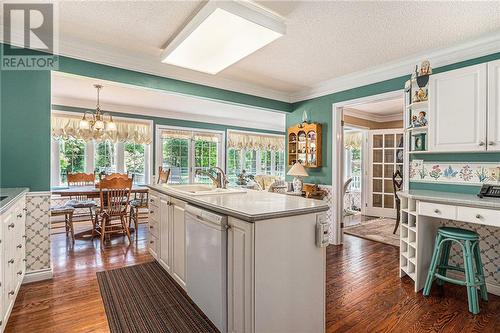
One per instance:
(353, 140)
(66, 126)
(191, 135)
(243, 140)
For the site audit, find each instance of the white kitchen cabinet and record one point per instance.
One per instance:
(154, 225)
(240, 276)
(458, 110)
(494, 106)
(12, 256)
(178, 241)
(165, 233)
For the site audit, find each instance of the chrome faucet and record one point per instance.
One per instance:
(220, 179)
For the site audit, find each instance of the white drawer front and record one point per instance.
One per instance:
(479, 215)
(153, 245)
(438, 210)
(154, 213)
(154, 200)
(154, 227)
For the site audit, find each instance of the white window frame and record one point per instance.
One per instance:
(221, 149)
(90, 149)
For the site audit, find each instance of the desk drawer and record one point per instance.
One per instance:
(438, 210)
(154, 227)
(479, 215)
(154, 213)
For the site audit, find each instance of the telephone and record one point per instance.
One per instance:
(489, 191)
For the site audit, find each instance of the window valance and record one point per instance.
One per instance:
(243, 140)
(191, 135)
(353, 140)
(65, 126)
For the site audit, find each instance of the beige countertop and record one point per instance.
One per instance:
(11, 195)
(251, 205)
(460, 199)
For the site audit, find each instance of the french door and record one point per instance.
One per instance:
(385, 157)
(184, 150)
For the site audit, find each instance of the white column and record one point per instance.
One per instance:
(89, 157)
(55, 177)
(120, 157)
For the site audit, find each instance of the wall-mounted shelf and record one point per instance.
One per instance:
(304, 145)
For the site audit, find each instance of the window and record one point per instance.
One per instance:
(71, 157)
(233, 164)
(104, 158)
(279, 163)
(250, 161)
(184, 151)
(135, 161)
(266, 162)
(176, 157)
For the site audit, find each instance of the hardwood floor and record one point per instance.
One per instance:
(364, 292)
(71, 302)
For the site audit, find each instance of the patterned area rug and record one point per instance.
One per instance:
(144, 298)
(379, 230)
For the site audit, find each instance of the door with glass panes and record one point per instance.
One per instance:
(386, 156)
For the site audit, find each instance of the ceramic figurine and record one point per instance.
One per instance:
(425, 68)
(421, 120)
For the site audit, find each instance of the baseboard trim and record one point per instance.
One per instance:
(39, 275)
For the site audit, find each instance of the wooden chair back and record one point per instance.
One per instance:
(397, 183)
(163, 175)
(115, 175)
(115, 195)
(81, 179)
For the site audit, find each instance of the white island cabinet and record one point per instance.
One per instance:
(275, 267)
(12, 249)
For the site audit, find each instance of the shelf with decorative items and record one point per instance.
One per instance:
(304, 144)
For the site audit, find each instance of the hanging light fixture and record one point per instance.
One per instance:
(97, 121)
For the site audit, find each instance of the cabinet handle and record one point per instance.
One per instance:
(150, 227)
(482, 143)
(11, 292)
(12, 225)
(19, 246)
(25, 209)
(11, 261)
(151, 212)
(25, 259)
(436, 211)
(491, 143)
(151, 200)
(24, 236)
(478, 216)
(151, 242)
(20, 273)
(19, 215)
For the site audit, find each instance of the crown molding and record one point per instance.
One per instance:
(372, 117)
(471, 49)
(161, 113)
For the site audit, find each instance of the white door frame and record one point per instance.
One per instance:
(338, 155)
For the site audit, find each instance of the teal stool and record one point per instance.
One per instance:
(469, 242)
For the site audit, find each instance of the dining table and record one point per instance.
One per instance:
(91, 192)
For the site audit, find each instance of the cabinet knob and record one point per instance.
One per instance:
(151, 212)
(12, 225)
(19, 246)
(19, 215)
(436, 211)
(151, 200)
(25, 209)
(491, 143)
(11, 292)
(20, 273)
(11, 261)
(478, 216)
(151, 242)
(150, 227)
(25, 259)
(482, 143)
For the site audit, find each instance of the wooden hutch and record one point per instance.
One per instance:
(304, 145)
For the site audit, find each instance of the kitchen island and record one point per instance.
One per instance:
(273, 256)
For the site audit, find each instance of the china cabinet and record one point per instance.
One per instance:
(304, 145)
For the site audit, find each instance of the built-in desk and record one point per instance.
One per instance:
(423, 212)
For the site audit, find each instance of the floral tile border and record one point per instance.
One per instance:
(455, 172)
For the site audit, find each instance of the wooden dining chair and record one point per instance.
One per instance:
(81, 201)
(163, 175)
(116, 175)
(397, 185)
(114, 201)
(67, 212)
(140, 201)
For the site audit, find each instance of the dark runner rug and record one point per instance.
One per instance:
(144, 298)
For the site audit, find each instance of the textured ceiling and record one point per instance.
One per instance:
(325, 40)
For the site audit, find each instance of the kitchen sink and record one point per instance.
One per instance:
(200, 189)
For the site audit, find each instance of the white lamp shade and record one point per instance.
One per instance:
(84, 124)
(99, 125)
(297, 170)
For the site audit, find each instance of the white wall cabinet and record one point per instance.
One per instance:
(167, 234)
(457, 110)
(12, 256)
(464, 109)
(494, 106)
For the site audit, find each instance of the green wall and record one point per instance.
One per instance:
(320, 110)
(25, 129)
(25, 114)
(169, 122)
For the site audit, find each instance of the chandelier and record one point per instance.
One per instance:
(97, 122)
